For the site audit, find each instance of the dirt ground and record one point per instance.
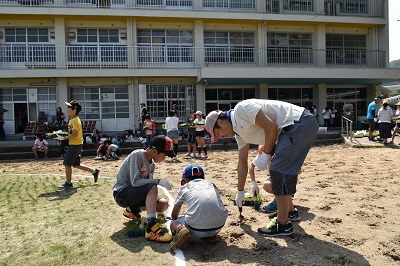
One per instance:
(347, 198)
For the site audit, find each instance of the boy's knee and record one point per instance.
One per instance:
(267, 186)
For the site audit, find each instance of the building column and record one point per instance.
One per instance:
(62, 92)
(320, 100)
(319, 46)
(199, 52)
(261, 44)
(60, 42)
(132, 42)
(263, 91)
(134, 105)
(200, 97)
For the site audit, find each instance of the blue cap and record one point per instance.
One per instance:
(193, 171)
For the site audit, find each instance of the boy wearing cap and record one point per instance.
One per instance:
(268, 122)
(205, 214)
(135, 186)
(75, 139)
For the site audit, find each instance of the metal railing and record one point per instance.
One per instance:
(14, 56)
(368, 8)
(347, 126)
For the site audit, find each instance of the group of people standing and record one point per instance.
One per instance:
(195, 131)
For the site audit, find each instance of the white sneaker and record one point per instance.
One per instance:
(192, 155)
(187, 154)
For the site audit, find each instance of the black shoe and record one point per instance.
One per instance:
(66, 185)
(293, 215)
(276, 229)
(96, 175)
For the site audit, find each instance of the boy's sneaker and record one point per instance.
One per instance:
(182, 234)
(272, 207)
(131, 215)
(192, 155)
(276, 229)
(293, 215)
(66, 185)
(187, 154)
(96, 174)
(205, 156)
(156, 233)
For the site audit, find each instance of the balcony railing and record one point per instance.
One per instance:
(119, 56)
(368, 8)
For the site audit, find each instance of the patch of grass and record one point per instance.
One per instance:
(41, 225)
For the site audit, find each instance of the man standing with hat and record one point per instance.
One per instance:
(268, 122)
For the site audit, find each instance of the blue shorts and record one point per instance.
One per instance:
(191, 139)
(195, 233)
(294, 143)
(173, 134)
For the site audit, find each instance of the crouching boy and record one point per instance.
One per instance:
(136, 188)
(205, 215)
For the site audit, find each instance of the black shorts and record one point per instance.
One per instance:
(133, 197)
(372, 124)
(72, 157)
(191, 139)
(200, 133)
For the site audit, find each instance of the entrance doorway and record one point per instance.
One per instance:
(20, 117)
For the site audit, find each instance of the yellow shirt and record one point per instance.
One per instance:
(75, 124)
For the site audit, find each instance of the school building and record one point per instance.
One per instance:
(203, 55)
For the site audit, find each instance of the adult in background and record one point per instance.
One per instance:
(326, 114)
(266, 122)
(171, 126)
(149, 127)
(143, 113)
(348, 110)
(59, 118)
(385, 123)
(191, 139)
(174, 107)
(372, 116)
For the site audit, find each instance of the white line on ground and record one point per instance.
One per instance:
(179, 256)
(101, 176)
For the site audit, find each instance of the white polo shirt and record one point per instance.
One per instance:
(244, 118)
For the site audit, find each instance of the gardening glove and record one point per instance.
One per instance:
(375, 119)
(254, 187)
(165, 183)
(261, 161)
(239, 198)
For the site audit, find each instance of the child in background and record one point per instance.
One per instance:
(191, 140)
(75, 138)
(135, 186)
(205, 214)
(113, 151)
(199, 123)
(149, 127)
(40, 145)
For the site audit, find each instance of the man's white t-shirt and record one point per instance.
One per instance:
(244, 118)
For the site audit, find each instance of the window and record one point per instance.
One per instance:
(298, 5)
(352, 6)
(47, 101)
(289, 48)
(28, 45)
(298, 96)
(99, 46)
(226, 98)
(160, 47)
(102, 103)
(346, 49)
(358, 97)
(160, 98)
(229, 47)
(224, 4)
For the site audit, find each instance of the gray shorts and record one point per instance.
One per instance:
(294, 143)
(133, 197)
(173, 134)
(72, 157)
(195, 233)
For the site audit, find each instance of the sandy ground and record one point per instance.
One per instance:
(347, 200)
